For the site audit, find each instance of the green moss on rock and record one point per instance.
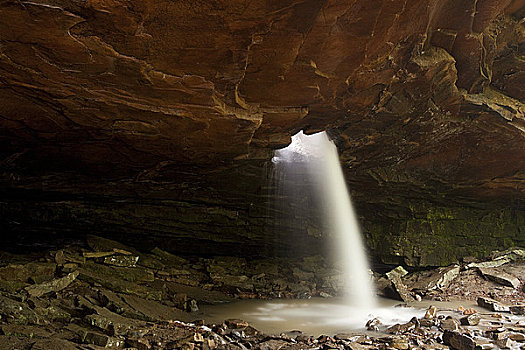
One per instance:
(439, 236)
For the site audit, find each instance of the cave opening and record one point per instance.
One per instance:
(137, 188)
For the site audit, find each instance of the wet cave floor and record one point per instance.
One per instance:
(103, 294)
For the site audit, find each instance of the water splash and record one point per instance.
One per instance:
(320, 156)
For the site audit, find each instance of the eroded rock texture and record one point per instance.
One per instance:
(149, 119)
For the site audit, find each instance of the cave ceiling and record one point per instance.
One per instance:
(412, 91)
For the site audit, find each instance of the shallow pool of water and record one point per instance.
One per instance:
(313, 316)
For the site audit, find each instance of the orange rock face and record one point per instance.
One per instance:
(147, 81)
(429, 93)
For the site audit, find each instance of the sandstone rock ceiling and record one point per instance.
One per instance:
(432, 89)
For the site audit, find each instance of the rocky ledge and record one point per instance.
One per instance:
(103, 294)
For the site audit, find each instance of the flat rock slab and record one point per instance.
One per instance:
(431, 280)
(37, 290)
(399, 271)
(492, 305)
(499, 277)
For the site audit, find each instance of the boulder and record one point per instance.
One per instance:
(499, 277)
(492, 305)
(400, 289)
(471, 320)
(450, 324)
(459, 341)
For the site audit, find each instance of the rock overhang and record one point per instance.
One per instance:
(425, 101)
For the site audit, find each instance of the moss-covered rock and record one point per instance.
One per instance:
(439, 236)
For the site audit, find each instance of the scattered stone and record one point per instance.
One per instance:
(428, 323)
(489, 264)
(55, 285)
(492, 305)
(403, 328)
(398, 271)
(401, 289)
(12, 286)
(121, 260)
(450, 324)
(17, 312)
(357, 346)
(499, 259)
(40, 279)
(513, 253)
(458, 341)
(53, 343)
(431, 312)
(108, 307)
(505, 343)
(469, 311)
(25, 330)
(236, 323)
(400, 343)
(122, 251)
(103, 340)
(53, 313)
(519, 337)
(69, 267)
(120, 279)
(517, 309)
(111, 323)
(325, 295)
(153, 310)
(471, 320)
(500, 277)
(437, 279)
(100, 244)
(373, 325)
(139, 343)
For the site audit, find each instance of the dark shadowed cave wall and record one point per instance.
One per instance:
(234, 212)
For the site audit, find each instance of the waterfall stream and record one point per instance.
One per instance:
(319, 155)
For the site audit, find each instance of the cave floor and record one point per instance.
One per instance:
(103, 294)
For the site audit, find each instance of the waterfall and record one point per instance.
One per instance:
(319, 155)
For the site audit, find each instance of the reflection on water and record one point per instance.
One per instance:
(314, 316)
